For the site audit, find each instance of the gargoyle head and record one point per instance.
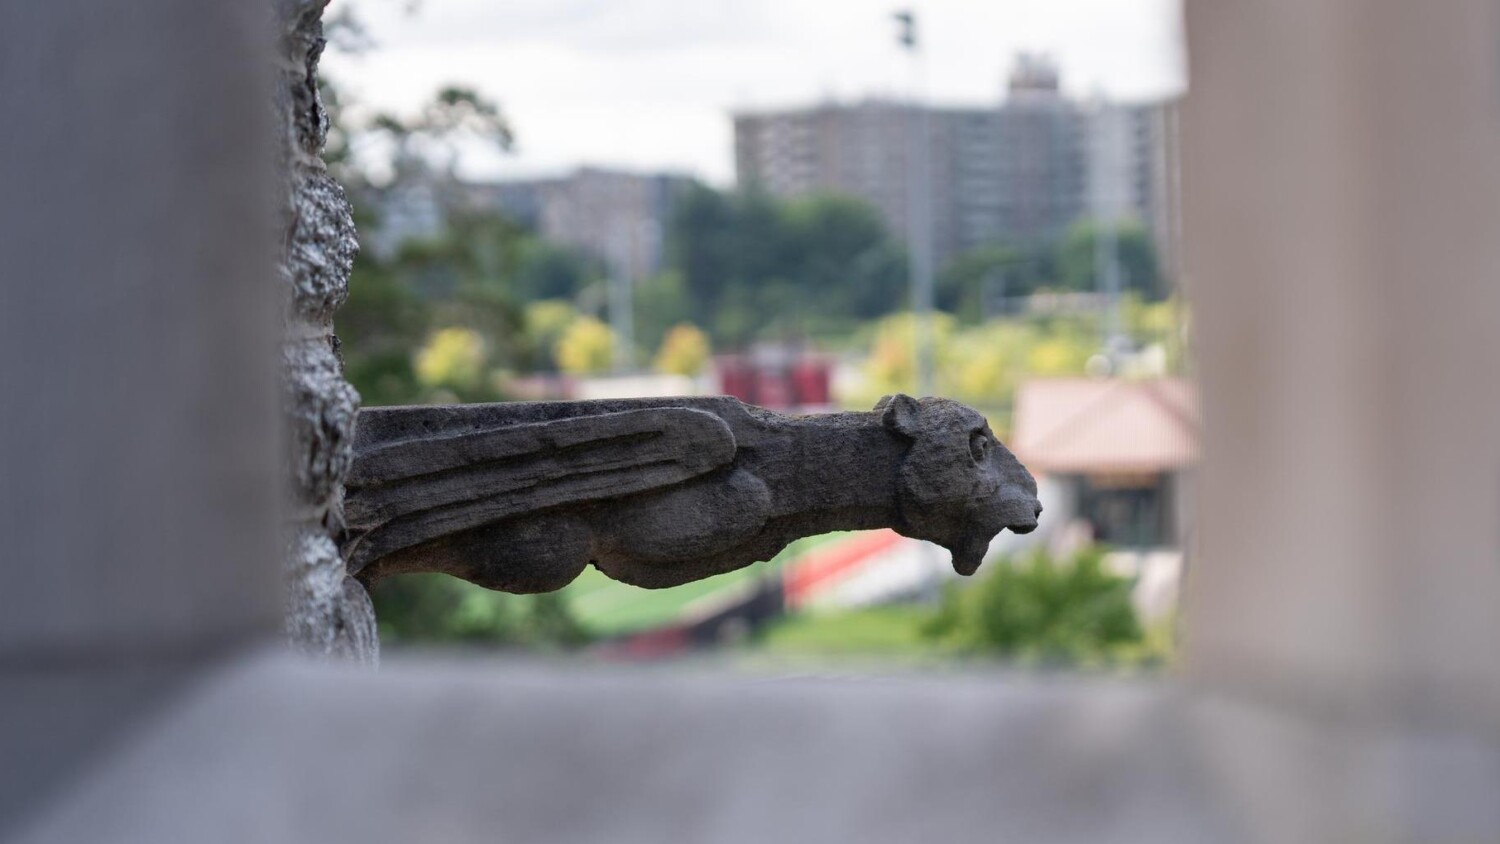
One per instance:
(959, 486)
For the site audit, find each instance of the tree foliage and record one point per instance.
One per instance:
(456, 114)
(979, 364)
(753, 266)
(586, 347)
(979, 283)
(1076, 261)
(1038, 609)
(983, 364)
(684, 351)
(661, 302)
(453, 359)
(436, 608)
(463, 280)
(756, 267)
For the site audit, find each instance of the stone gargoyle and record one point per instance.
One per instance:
(521, 497)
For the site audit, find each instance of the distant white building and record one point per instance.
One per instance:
(619, 217)
(1116, 454)
(410, 209)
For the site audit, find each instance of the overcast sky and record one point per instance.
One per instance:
(649, 84)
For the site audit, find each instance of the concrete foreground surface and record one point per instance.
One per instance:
(273, 749)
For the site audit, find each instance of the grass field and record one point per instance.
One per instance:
(607, 608)
(893, 635)
(891, 631)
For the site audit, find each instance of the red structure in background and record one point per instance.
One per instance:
(778, 378)
(817, 569)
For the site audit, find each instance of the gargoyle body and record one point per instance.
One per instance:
(521, 497)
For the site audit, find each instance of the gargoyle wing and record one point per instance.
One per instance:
(407, 491)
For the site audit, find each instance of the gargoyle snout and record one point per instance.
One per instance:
(1022, 514)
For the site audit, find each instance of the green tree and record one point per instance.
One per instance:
(975, 280)
(892, 364)
(840, 256)
(982, 364)
(379, 327)
(453, 359)
(461, 279)
(754, 266)
(704, 248)
(1160, 326)
(1137, 256)
(661, 302)
(456, 114)
(989, 361)
(545, 323)
(546, 270)
(438, 609)
(586, 347)
(1042, 610)
(685, 351)
(1062, 348)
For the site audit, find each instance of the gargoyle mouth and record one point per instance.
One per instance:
(1024, 528)
(968, 556)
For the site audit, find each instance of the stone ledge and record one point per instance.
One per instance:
(275, 750)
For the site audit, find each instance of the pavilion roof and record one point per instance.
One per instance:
(1095, 425)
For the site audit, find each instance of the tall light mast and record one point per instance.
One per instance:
(1107, 200)
(918, 204)
(621, 298)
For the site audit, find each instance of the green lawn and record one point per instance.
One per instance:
(607, 608)
(877, 631)
(893, 635)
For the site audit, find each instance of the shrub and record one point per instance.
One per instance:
(438, 609)
(1040, 610)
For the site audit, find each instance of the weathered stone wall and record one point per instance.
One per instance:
(327, 613)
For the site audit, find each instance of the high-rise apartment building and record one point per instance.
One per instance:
(1022, 170)
(618, 217)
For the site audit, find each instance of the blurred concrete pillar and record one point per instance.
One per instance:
(138, 454)
(1342, 176)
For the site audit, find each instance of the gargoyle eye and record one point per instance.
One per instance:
(979, 446)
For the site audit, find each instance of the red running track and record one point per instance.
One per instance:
(821, 567)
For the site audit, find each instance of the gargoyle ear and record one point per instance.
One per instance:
(899, 413)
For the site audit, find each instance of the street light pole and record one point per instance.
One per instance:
(1107, 198)
(919, 249)
(918, 204)
(621, 304)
